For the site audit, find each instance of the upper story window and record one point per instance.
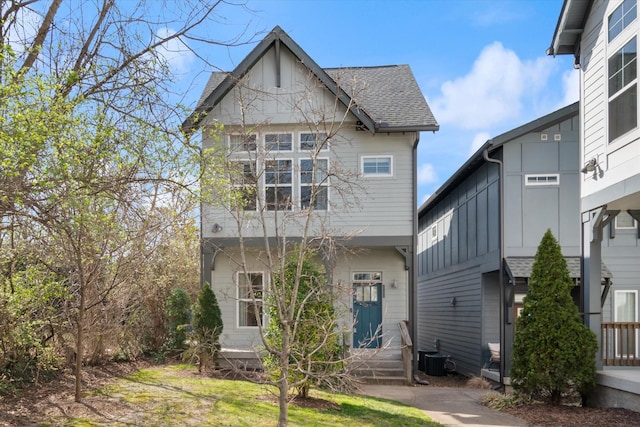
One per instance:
(621, 17)
(241, 142)
(539, 179)
(278, 142)
(278, 184)
(313, 141)
(623, 90)
(314, 183)
(377, 166)
(624, 220)
(244, 179)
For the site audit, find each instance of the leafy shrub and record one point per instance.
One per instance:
(315, 351)
(178, 312)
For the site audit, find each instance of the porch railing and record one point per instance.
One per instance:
(620, 343)
(407, 349)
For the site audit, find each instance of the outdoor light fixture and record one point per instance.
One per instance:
(453, 302)
(590, 166)
(216, 228)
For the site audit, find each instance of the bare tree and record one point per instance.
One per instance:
(89, 127)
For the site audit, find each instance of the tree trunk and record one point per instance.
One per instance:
(79, 344)
(283, 384)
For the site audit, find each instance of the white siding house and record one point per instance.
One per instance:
(603, 37)
(289, 122)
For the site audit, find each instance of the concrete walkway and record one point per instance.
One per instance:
(446, 405)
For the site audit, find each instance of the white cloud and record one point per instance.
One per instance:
(478, 140)
(570, 87)
(427, 174)
(178, 56)
(493, 91)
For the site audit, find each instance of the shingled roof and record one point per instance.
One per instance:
(388, 98)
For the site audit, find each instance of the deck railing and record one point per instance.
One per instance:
(407, 349)
(620, 343)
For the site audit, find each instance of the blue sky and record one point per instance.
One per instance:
(481, 64)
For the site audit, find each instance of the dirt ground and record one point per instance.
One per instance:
(35, 404)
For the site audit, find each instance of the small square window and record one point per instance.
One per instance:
(240, 142)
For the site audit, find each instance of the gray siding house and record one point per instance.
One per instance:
(479, 232)
(286, 120)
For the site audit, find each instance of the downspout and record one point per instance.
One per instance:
(413, 279)
(501, 262)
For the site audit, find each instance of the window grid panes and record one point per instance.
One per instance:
(621, 17)
(240, 142)
(311, 141)
(365, 286)
(314, 183)
(250, 289)
(244, 179)
(623, 98)
(278, 184)
(278, 142)
(380, 166)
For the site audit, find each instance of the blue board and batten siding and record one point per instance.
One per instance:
(459, 233)
(451, 262)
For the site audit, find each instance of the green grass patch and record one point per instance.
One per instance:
(175, 395)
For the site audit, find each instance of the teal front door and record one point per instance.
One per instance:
(367, 311)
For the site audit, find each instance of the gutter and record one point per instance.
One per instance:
(413, 281)
(485, 154)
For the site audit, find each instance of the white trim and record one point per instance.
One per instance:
(542, 179)
(378, 156)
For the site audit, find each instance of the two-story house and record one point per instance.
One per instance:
(603, 37)
(336, 144)
(479, 233)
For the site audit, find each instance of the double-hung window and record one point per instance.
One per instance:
(623, 90)
(244, 181)
(377, 166)
(278, 184)
(622, 71)
(250, 290)
(314, 183)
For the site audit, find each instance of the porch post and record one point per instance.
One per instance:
(591, 275)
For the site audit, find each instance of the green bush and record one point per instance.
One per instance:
(553, 351)
(178, 312)
(207, 327)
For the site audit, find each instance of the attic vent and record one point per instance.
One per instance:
(543, 137)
